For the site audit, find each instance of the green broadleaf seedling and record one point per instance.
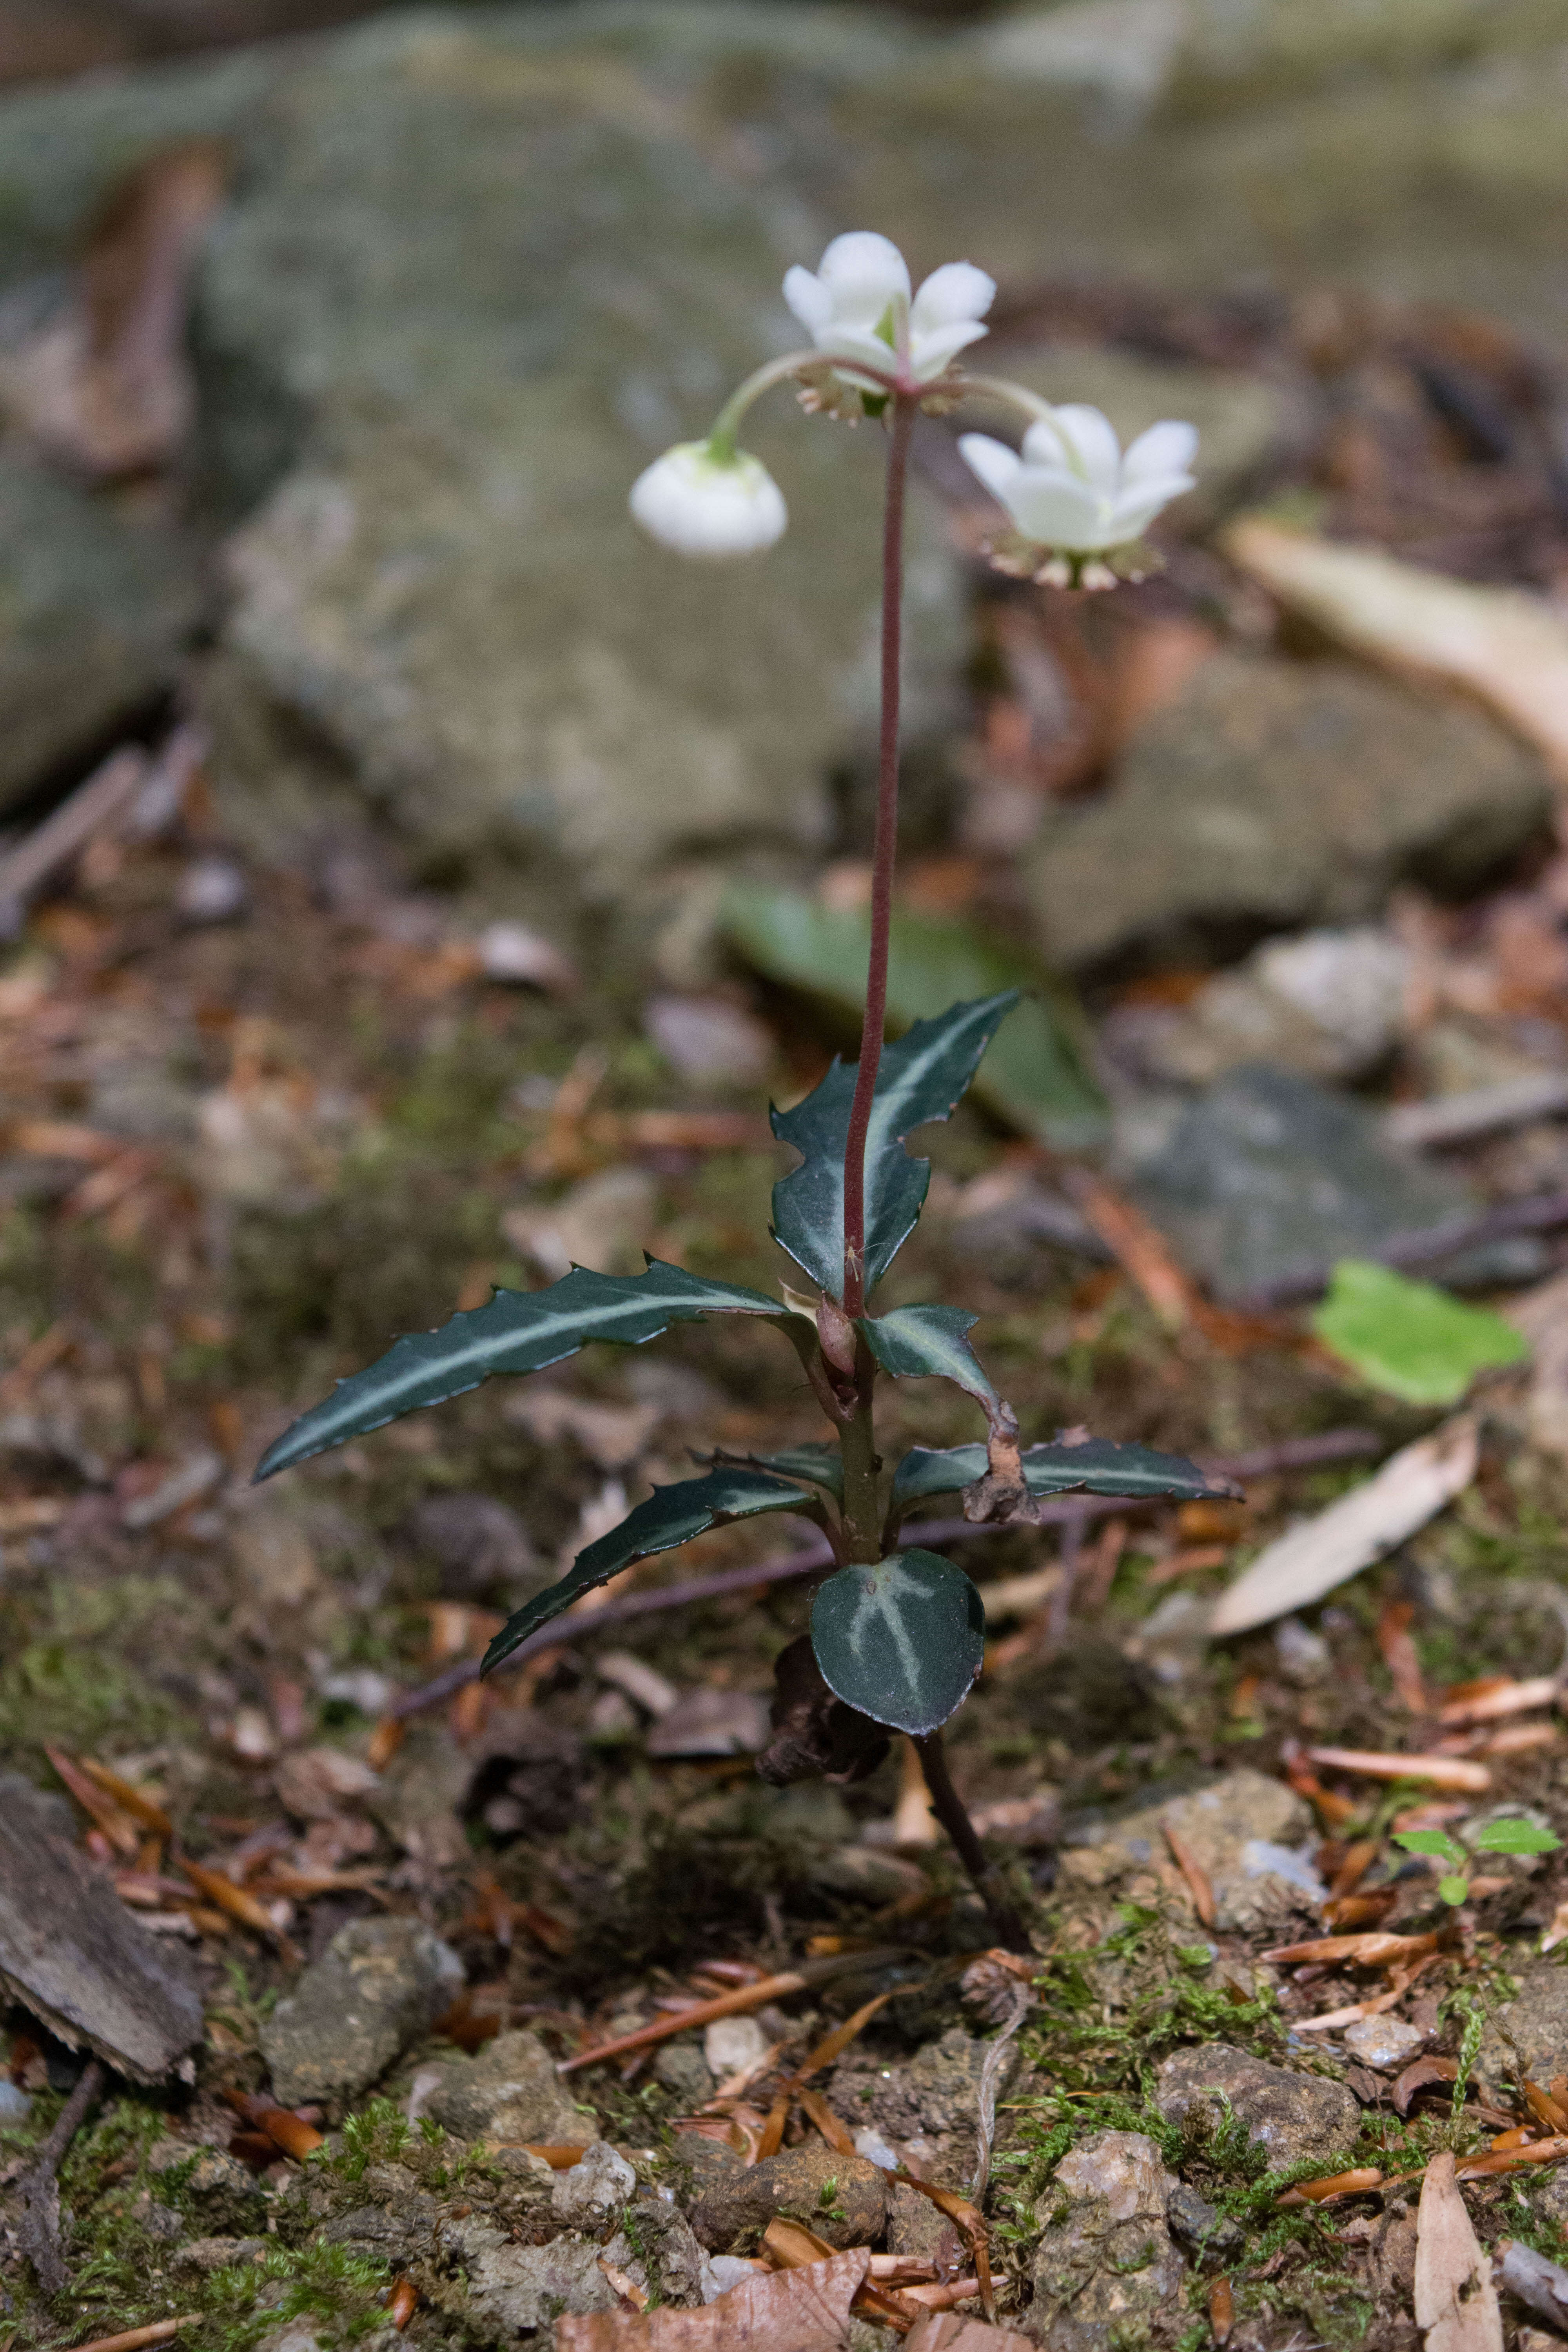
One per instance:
(1410, 1339)
(896, 1634)
(1508, 1836)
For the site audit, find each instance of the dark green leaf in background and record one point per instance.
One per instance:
(920, 1078)
(517, 1331)
(1097, 1467)
(815, 1458)
(671, 1516)
(902, 1641)
(915, 1341)
(1036, 1075)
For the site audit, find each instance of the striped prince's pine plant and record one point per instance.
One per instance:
(896, 1634)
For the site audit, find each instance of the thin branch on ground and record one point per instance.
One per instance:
(38, 2190)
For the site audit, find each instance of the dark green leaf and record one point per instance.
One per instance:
(818, 1459)
(913, 1341)
(1097, 1467)
(920, 1078)
(517, 1331)
(671, 1516)
(1035, 1076)
(902, 1641)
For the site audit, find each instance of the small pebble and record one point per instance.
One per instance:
(212, 890)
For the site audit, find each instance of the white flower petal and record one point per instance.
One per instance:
(708, 506)
(1094, 451)
(1136, 509)
(929, 353)
(1058, 510)
(993, 462)
(1165, 448)
(956, 291)
(808, 297)
(863, 272)
(858, 343)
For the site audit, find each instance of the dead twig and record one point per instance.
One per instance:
(38, 2190)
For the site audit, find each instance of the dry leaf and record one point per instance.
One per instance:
(1372, 1951)
(105, 385)
(1378, 1764)
(1504, 1697)
(1509, 648)
(804, 2310)
(1300, 1567)
(1418, 2075)
(318, 1782)
(944, 2331)
(1456, 2303)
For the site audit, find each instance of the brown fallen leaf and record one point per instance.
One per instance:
(1443, 1772)
(315, 1783)
(1309, 1560)
(1398, 1648)
(1503, 1695)
(1456, 2302)
(1417, 2076)
(130, 1798)
(1221, 2311)
(946, 2332)
(225, 1895)
(1333, 2184)
(1557, 1928)
(133, 2339)
(1545, 2107)
(105, 385)
(1511, 2159)
(836, 2132)
(1195, 1874)
(100, 1809)
(402, 2303)
(1373, 1950)
(795, 2310)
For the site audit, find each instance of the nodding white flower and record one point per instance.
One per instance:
(706, 499)
(1073, 488)
(856, 303)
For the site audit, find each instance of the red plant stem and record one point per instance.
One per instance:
(902, 418)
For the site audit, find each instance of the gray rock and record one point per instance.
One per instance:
(1292, 2116)
(843, 2198)
(1269, 1176)
(96, 611)
(1105, 2264)
(1271, 794)
(1246, 1831)
(932, 2102)
(1536, 2025)
(681, 2067)
(378, 1985)
(594, 2191)
(664, 2257)
(477, 1544)
(442, 573)
(209, 2255)
(224, 2192)
(1385, 2043)
(397, 2223)
(509, 2092)
(1201, 2230)
(1329, 1004)
(520, 2288)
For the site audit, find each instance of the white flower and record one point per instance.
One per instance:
(856, 305)
(1073, 488)
(703, 501)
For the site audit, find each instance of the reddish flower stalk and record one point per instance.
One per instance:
(901, 425)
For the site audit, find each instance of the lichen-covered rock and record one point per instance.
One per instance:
(509, 2092)
(516, 2289)
(1537, 2025)
(661, 2252)
(594, 2191)
(843, 2198)
(1293, 2116)
(930, 2104)
(1106, 2265)
(1248, 1832)
(379, 1983)
(396, 2219)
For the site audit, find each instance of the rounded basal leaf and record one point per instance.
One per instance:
(902, 1641)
